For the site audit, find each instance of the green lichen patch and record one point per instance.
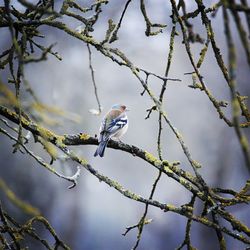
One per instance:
(152, 159)
(84, 137)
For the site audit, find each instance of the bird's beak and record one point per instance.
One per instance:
(127, 109)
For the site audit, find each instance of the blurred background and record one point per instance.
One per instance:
(93, 215)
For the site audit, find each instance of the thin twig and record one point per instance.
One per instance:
(164, 78)
(114, 36)
(187, 239)
(93, 79)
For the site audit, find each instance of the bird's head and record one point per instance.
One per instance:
(121, 107)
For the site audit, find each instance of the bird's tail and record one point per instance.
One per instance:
(101, 148)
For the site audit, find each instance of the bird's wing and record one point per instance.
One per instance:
(117, 123)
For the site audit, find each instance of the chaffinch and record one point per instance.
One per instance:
(114, 125)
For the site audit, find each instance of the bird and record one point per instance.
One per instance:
(114, 125)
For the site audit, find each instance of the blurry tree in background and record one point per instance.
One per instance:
(26, 119)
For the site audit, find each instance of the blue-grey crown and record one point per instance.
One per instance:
(116, 106)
